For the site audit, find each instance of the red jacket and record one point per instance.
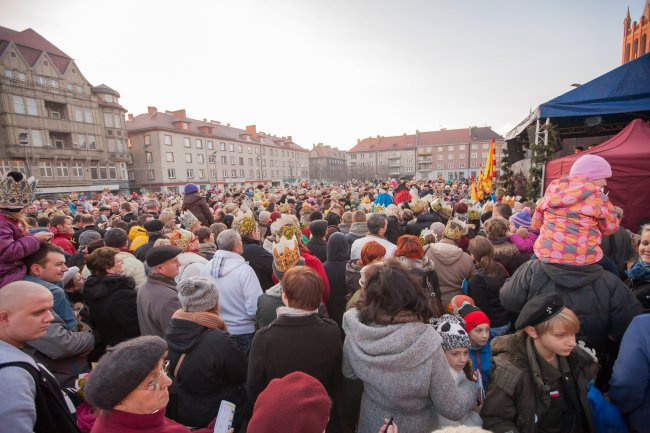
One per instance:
(314, 263)
(63, 240)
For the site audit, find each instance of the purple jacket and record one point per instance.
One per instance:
(524, 245)
(15, 245)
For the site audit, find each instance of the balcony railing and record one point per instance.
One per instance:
(6, 81)
(424, 160)
(394, 157)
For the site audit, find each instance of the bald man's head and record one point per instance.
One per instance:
(24, 312)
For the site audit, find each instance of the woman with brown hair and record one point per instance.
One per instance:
(411, 254)
(391, 347)
(485, 284)
(111, 298)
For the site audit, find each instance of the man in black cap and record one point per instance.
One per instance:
(154, 229)
(539, 378)
(158, 298)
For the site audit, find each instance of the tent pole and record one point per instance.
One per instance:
(546, 124)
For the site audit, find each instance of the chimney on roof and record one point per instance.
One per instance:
(358, 140)
(252, 130)
(130, 116)
(227, 124)
(179, 114)
(289, 139)
(152, 110)
(205, 120)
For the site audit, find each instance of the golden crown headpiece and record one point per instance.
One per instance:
(286, 226)
(428, 236)
(16, 192)
(455, 229)
(474, 212)
(188, 219)
(244, 222)
(286, 253)
(181, 239)
(447, 210)
(436, 205)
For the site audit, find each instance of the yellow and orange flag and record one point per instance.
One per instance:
(485, 182)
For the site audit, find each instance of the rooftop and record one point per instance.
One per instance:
(428, 138)
(31, 46)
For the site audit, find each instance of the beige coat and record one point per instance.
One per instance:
(452, 266)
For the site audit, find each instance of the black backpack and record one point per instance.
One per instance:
(52, 413)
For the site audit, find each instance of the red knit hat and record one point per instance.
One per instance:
(473, 316)
(297, 403)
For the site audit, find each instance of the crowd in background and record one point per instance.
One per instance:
(363, 306)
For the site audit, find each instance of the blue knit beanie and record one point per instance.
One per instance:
(190, 188)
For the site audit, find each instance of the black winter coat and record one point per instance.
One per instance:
(113, 309)
(337, 259)
(213, 369)
(318, 248)
(260, 260)
(422, 222)
(393, 229)
(602, 302)
(484, 289)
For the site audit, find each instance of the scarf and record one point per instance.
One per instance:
(359, 229)
(401, 317)
(209, 319)
(275, 291)
(293, 312)
(640, 271)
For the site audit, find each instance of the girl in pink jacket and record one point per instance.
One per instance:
(574, 214)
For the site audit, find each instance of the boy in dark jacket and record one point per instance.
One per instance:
(317, 244)
(539, 378)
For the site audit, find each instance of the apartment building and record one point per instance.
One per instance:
(169, 150)
(327, 164)
(55, 125)
(450, 154)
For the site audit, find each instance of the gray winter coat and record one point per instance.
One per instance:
(157, 302)
(405, 375)
(604, 305)
(17, 411)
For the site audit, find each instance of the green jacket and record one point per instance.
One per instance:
(517, 396)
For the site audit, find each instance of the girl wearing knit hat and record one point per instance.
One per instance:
(477, 326)
(574, 214)
(204, 360)
(520, 235)
(456, 344)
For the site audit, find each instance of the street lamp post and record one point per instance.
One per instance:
(23, 139)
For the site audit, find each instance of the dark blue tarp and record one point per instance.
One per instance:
(625, 89)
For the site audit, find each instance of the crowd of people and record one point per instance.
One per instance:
(355, 307)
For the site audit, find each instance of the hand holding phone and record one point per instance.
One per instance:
(224, 417)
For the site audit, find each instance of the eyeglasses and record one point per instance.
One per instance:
(155, 384)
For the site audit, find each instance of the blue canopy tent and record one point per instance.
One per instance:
(601, 107)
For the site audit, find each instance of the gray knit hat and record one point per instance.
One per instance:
(88, 237)
(452, 331)
(122, 369)
(197, 294)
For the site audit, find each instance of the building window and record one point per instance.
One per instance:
(450, 156)
(210, 159)
(19, 104)
(222, 146)
(461, 165)
(224, 160)
(250, 150)
(486, 145)
(77, 170)
(210, 145)
(148, 157)
(167, 139)
(112, 171)
(169, 156)
(94, 174)
(225, 173)
(188, 157)
(450, 165)
(190, 173)
(234, 173)
(441, 157)
(200, 158)
(125, 174)
(461, 147)
(199, 143)
(88, 115)
(439, 166)
(147, 140)
(484, 155)
(240, 149)
(103, 172)
(171, 173)
(462, 156)
(112, 147)
(250, 161)
(241, 161)
(46, 169)
(213, 173)
(473, 164)
(241, 173)
(201, 173)
(151, 174)
(62, 169)
(233, 160)
(37, 138)
(474, 155)
(232, 147)
(187, 142)
(131, 175)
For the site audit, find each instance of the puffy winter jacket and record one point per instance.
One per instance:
(604, 305)
(138, 236)
(199, 207)
(15, 245)
(571, 218)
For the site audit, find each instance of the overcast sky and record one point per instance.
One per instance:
(334, 71)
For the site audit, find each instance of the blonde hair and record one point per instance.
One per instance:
(565, 320)
(162, 241)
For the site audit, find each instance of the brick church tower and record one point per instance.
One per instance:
(636, 35)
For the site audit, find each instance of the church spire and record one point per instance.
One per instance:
(628, 18)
